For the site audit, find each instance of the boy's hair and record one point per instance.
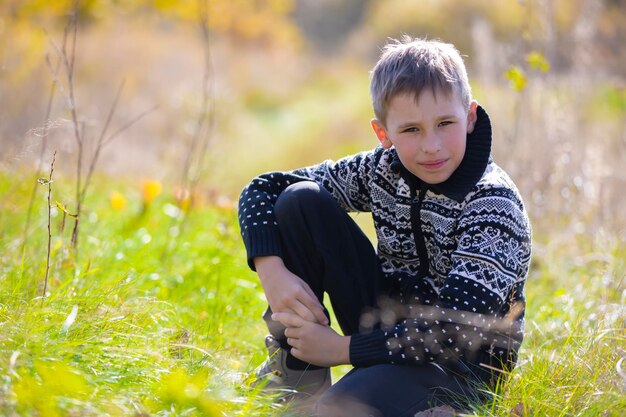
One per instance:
(410, 65)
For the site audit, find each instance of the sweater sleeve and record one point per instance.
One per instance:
(347, 180)
(479, 306)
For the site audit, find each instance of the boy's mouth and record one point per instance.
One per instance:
(434, 164)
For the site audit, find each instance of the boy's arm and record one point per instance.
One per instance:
(346, 179)
(490, 262)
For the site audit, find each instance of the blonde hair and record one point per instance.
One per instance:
(410, 65)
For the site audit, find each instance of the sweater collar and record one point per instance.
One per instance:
(472, 167)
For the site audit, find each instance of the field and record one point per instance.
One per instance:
(143, 320)
(152, 311)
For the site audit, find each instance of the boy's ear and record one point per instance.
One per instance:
(472, 116)
(381, 133)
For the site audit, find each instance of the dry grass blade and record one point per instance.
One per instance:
(620, 369)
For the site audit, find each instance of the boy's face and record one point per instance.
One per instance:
(429, 135)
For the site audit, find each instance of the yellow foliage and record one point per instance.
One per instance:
(26, 51)
(538, 61)
(282, 7)
(443, 18)
(245, 18)
(517, 77)
(29, 8)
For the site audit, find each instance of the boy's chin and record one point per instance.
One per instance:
(432, 178)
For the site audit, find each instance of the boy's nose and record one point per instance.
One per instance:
(431, 143)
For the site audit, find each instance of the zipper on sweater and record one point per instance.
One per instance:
(416, 227)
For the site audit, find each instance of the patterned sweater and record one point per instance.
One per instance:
(456, 254)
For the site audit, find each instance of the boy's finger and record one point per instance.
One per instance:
(321, 317)
(318, 312)
(296, 353)
(311, 294)
(281, 318)
(287, 319)
(294, 343)
(303, 311)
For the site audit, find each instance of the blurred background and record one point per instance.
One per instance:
(278, 84)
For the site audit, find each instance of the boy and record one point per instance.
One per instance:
(437, 310)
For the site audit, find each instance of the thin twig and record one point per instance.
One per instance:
(99, 144)
(82, 185)
(199, 146)
(55, 75)
(102, 142)
(74, 21)
(68, 61)
(49, 183)
(128, 124)
(193, 158)
(207, 117)
(44, 146)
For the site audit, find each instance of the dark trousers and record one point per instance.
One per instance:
(326, 248)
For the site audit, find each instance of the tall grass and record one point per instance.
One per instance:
(122, 333)
(575, 332)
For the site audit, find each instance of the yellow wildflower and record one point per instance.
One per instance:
(117, 200)
(150, 189)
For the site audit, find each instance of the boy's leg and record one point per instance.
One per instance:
(395, 390)
(328, 250)
(323, 246)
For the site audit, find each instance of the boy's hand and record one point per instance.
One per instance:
(313, 343)
(287, 292)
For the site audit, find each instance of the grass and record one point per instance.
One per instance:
(150, 335)
(130, 328)
(148, 318)
(576, 320)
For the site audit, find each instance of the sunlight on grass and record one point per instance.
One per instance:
(575, 333)
(133, 332)
(125, 330)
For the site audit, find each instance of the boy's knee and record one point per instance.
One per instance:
(297, 196)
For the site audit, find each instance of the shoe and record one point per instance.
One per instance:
(273, 375)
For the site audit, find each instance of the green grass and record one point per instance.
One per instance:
(575, 332)
(139, 322)
(154, 333)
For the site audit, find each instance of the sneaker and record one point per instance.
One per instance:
(273, 375)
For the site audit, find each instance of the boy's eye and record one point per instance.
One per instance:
(410, 130)
(445, 123)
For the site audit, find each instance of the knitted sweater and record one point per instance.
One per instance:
(456, 254)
